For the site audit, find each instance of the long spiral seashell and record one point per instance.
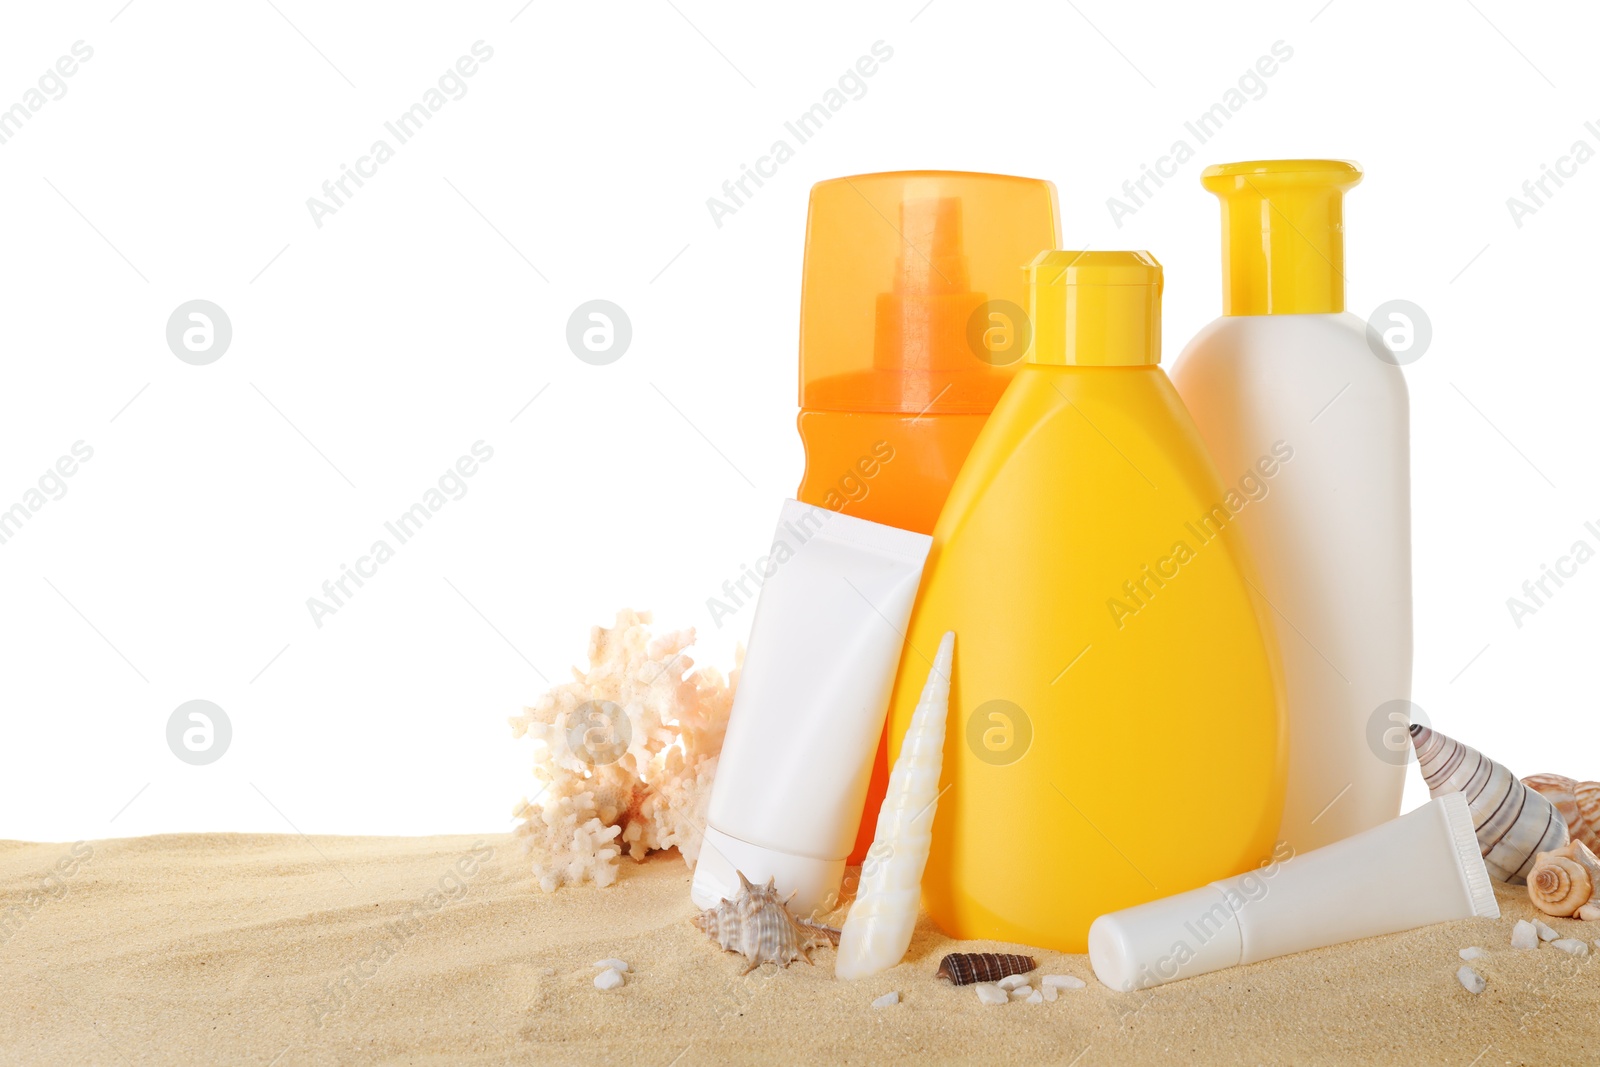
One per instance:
(1578, 803)
(877, 931)
(1564, 880)
(1513, 823)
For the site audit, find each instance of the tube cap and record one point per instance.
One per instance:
(1095, 309)
(1282, 234)
(914, 290)
(1176, 937)
(814, 882)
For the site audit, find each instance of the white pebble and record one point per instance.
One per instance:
(1471, 980)
(1545, 933)
(1523, 935)
(888, 1000)
(1021, 994)
(1063, 981)
(1571, 946)
(990, 993)
(1036, 997)
(614, 964)
(1050, 993)
(1013, 981)
(609, 978)
(1473, 953)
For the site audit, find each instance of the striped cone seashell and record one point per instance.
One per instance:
(1564, 880)
(965, 968)
(1578, 802)
(1513, 822)
(758, 926)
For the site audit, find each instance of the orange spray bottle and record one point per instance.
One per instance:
(912, 322)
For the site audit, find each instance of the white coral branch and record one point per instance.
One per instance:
(625, 754)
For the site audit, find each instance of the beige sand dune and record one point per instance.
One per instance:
(262, 949)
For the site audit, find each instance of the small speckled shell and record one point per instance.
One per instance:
(965, 968)
(756, 925)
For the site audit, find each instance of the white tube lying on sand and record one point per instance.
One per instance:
(813, 692)
(1419, 869)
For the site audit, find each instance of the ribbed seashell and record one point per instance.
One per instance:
(1513, 822)
(1578, 802)
(758, 926)
(878, 929)
(1564, 880)
(965, 968)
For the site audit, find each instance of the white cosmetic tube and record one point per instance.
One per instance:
(813, 692)
(1421, 868)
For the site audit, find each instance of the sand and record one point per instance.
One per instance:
(283, 950)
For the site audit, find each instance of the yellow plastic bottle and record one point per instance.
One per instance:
(1117, 721)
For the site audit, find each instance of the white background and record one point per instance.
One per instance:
(369, 353)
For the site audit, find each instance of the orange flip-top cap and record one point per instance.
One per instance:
(916, 287)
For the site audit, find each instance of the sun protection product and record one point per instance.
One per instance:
(1421, 868)
(1331, 536)
(1115, 709)
(827, 634)
(911, 325)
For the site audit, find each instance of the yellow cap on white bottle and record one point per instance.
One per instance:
(1282, 234)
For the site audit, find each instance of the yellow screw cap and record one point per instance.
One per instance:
(1095, 309)
(1282, 234)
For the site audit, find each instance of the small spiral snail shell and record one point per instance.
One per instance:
(1578, 802)
(1563, 880)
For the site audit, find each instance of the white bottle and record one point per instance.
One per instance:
(1286, 382)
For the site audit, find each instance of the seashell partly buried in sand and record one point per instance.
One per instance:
(965, 968)
(1578, 802)
(1563, 880)
(758, 926)
(1513, 822)
(878, 929)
